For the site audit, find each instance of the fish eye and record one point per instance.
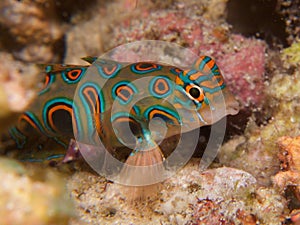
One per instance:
(195, 92)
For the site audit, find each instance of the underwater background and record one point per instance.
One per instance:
(255, 178)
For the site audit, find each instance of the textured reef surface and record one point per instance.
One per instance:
(33, 195)
(255, 178)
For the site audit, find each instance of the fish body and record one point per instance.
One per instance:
(100, 102)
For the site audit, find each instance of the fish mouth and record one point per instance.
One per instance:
(233, 108)
(232, 105)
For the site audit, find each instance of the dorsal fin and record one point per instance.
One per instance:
(56, 68)
(90, 59)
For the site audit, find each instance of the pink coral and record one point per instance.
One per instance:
(241, 59)
(244, 69)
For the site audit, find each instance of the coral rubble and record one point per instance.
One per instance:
(289, 156)
(218, 195)
(32, 196)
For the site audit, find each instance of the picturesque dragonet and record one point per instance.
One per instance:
(125, 109)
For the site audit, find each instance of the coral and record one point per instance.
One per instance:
(256, 150)
(32, 196)
(289, 157)
(242, 60)
(190, 24)
(80, 44)
(17, 88)
(99, 39)
(291, 55)
(190, 197)
(28, 30)
(236, 199)
(244, 69)
(207, 212)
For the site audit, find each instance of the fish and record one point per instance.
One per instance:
(127, 106)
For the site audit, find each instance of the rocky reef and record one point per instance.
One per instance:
(255, 177)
